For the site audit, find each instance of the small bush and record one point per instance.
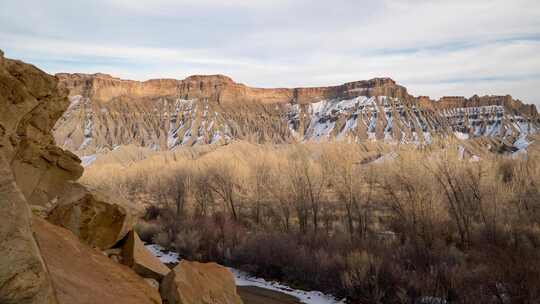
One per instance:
(147, 230)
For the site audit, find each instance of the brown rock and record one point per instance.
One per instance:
(30, 173)
(23, 277)
(31, 103)
(103, 88)
(153, 283)
(136, 256)
(93, 216)
(199, 283)
(84, 275)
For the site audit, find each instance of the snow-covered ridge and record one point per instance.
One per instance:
(169, 123)
(489, 121)
(362, 118)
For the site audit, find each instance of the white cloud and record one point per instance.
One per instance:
(433, 47)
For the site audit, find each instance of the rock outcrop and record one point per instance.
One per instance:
(199, 283)
(136, 256)
(33, 171)
(96, 218)
(218, 88)
(163, 114)
(23, 276)
(83, 275)
(31, 103)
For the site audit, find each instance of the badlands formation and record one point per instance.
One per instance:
(163, 114)
(60, 242)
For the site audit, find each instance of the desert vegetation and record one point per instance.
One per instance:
(371, 223)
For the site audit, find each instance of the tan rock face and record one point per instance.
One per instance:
(32, 171)
(512, 105)
(136, 256)
(84, 275)
(219, 88)
(199, 283)
(96, 218)
(31, 103)
(23, 277)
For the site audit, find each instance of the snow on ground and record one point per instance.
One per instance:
(521, 143)
(166, 257)
(427, 138)
(308, 297)
(461, 135)
(474, 158)
(461, 152)
(243, 279)
(88, 160)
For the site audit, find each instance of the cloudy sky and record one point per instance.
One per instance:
(433, 47)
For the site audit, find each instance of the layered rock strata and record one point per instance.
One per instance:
(164, 114)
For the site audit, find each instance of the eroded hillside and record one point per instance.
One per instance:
(162, 114)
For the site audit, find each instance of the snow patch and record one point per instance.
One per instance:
(88, 160)
(461, 135)
(521, 143)
(308, 297)
(166, 257)
(243, 279)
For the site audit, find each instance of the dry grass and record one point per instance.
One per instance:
(414, 223)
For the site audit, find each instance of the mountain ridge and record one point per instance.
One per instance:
(163, 114)
(168, 88)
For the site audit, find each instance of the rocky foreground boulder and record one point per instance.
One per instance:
(199, 283)
(23, 277)
(81, 274)
(32, 170)
(30, 105)
(136, 256)
(44, 263)
(93, 216)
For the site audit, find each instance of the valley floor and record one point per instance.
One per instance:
(255, 290)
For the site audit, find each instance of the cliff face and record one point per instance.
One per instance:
(219, 88)
(34, 176)
(512, 105)
(33, 171)
(165, 113)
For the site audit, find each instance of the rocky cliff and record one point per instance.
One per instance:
(34, 171)
(218, 88)
(35, 174)
(163, 114)
(61, 242)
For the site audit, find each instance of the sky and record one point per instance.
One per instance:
(433, 47)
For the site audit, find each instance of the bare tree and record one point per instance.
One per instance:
(222, 182)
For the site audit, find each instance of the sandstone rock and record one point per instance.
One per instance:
(93, 216)
(83, 275)
(199, 283)
(153, 283)
(116, 258)
(32, 171)
(31, 103)
(113, 251)
(23, 276)
(136, 256)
